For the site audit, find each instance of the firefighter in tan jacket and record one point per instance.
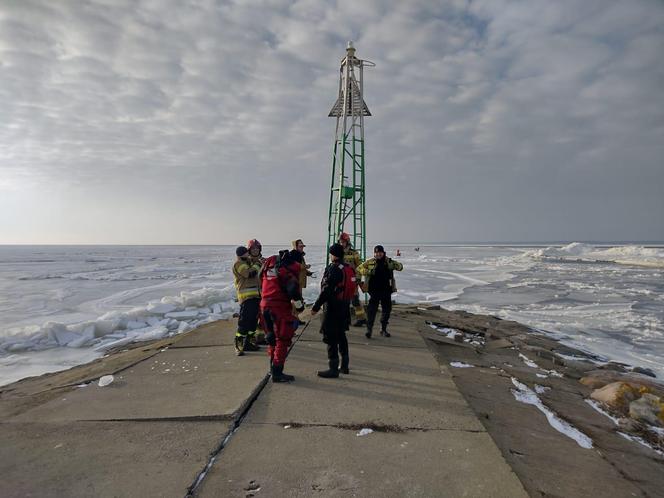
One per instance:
(247, 284)
(352, 258)
(299, 246)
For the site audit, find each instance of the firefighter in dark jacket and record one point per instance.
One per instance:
(280, 292)
(378, 273)
(336, 317)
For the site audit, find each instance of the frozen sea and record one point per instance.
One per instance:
(65, 305)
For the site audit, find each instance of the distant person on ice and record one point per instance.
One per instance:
(378, 273)
(352, 258)
(247, 285)
(337, 289)
(280, 292)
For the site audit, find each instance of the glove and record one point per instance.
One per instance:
(299, 305)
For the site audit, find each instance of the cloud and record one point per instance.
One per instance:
(492, 120)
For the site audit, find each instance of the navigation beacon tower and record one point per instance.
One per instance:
(347, 212)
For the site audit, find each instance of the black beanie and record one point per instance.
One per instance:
(337, 250)
(241, 251)
(379, 248)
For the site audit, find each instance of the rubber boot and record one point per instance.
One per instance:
(367, 334)
(332, 372)
(239, 345)
(385, 333)
(344, 365)
(250, 343)
(278, 374)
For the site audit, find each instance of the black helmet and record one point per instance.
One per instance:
(337, 250)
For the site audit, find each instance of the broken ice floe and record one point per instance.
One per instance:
(460, 364)
(158, 319)
(541, 389)
(106, 380)
(364, 432)
(524, 394)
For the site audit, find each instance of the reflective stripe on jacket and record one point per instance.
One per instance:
(352, 257)
(368, 268)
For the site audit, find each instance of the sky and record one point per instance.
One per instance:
(205, 122)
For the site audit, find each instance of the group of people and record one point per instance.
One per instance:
(269, 291)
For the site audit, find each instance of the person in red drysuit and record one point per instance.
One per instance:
(280, 290)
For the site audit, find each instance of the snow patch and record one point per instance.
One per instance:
(598, 408)
(459, 364)
(641, 441)
(525, 395)
(106, 380)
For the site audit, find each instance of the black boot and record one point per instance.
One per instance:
(239, 345)
(249, 343)
(332, 372)
(385, 333)
(278, 374)
(344, 365)
(367, 334)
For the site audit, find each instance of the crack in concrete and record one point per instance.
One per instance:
(237, 422)
(189, 418)
(376, 427)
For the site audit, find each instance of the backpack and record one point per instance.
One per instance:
(347, 288)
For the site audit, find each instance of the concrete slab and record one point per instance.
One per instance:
(400, 337)
(386, 386)
(191, 382)
(327, 461)
(104, 459)
(220, 333)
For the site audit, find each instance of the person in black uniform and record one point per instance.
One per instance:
(336, 314)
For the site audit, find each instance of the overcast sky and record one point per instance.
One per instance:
(201, 121)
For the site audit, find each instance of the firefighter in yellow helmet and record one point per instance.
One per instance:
(247, 284)
(352, 258)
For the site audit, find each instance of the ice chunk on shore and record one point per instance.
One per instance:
(59, 333)
(528, 361)
(160, 308)
(84, 339)
(135, 324)
(183, 315)
(106, 380)
(460, 364)
(364, 432)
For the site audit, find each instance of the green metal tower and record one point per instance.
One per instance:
(347, 212)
